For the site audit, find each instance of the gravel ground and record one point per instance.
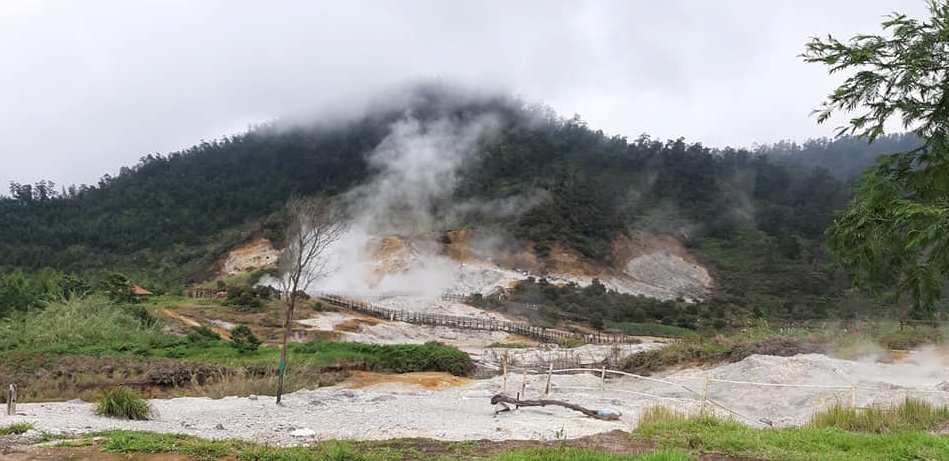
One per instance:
(434, 306)
(385, 332)
(464, 413)
(587, 355)
(378, 412)
(921, 376)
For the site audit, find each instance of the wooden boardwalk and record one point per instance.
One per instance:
(546, 335)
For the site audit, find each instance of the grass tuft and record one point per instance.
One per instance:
(708, 433)
(147, 442)
(910, 415)
(123, 403)
(662, 414)
(15, 429)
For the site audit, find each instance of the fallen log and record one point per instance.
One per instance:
(503, 399)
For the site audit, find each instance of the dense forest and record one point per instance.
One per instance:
(757, 217)
(846, 157)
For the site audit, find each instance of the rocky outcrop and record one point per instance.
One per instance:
(255, 254)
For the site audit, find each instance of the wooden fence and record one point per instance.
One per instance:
(547, 335)
(204, 293)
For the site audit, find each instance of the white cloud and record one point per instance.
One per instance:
(89, 86)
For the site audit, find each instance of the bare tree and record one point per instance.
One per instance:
(314, 225)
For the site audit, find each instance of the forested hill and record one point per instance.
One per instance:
(169, 217)
(845, 157)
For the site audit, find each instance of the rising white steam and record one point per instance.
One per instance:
(416, 169)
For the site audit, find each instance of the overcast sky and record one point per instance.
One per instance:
(89, 86)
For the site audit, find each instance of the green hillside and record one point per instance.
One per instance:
(757, 220)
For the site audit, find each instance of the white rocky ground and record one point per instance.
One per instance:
(378, 412)
(464, 412)
(433, 306)
(385, 332)
(921, 376)
(588, 354)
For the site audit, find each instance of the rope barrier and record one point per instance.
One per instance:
(644, 378)
(811, 386)
(644, 394)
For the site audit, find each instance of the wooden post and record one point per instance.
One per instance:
(603, 378)
(524, 384)
(550, 372)
(11, 400)
(853, 396)
(705, 394)
(504, 369)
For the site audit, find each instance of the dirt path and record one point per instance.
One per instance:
(223, 333)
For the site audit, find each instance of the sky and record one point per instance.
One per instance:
(87, 87)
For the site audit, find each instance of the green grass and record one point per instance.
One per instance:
(910, 415)
(14, 429)
(95, 326)
(578, 454)
(148, 442)
(90, 325)
(123, 403)
(398, 358)
(651, 329)
(710, 434)
(689, 350)
(207, 450)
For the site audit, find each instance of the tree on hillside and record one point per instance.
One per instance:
(896, 230)
(314, 226)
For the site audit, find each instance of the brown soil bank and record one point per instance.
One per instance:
(425, 379)
(85, 454)
(408, 449)
(43, 378)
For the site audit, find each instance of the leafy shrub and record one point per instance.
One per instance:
(123, 403)
(399, 358)
(243, 298)
(247, 298)
(434, 356)
(118, 288)
(244, 340)
(202, 334)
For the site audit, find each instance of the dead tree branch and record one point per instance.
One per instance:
(506, 399)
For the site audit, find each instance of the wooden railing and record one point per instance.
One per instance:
(205, 293)
(547, 335)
